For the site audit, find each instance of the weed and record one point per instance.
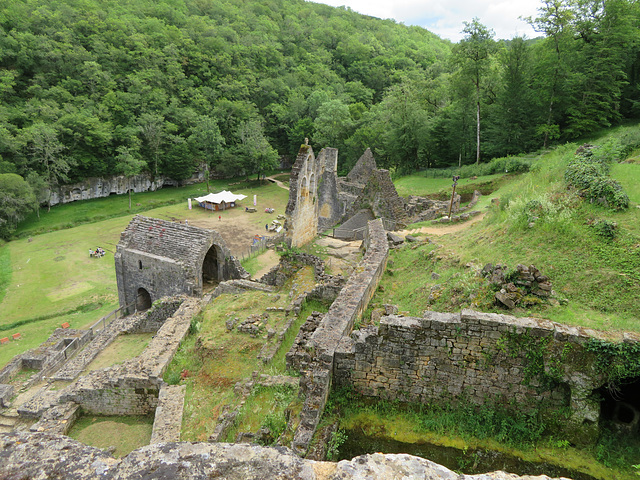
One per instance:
(335, 442)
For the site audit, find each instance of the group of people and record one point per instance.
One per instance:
(97, 253)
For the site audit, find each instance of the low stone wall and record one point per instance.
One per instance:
(131, 388)
(479, 358)
(316, 359)
(148, 321)
(46, 358)
(154, 318)
(168, 420)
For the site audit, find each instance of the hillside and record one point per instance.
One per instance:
(89, 88)
(590, 252)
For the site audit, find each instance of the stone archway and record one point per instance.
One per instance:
(143, 300)
(213, 266)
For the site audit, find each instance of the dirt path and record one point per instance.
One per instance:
(277, 182)
(443, 230)
(268, 260)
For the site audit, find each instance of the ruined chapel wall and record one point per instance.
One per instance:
(330, 205)
(302, 209)
(157, 275)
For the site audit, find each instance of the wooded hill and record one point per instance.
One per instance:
(94, 88)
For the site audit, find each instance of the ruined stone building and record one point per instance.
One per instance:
(157, 258)
(319, 199)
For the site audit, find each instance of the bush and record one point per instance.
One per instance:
(589, 171)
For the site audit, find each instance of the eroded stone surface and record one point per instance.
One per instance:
(61, 457)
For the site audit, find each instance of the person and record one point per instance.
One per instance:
(90, 253)
(266, 227)
(219, 218)
(186, 222)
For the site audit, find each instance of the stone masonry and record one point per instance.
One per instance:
(157, 258)
(316, 361)
(479, 358)
(62, 457)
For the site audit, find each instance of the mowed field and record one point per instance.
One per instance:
(53, 279)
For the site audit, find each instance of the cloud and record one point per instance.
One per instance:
(445, 17)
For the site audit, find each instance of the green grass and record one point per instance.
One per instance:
(468, 427)
(5, 270)
(124, 433)
(600, 278)
(124, 347)
(418, 184)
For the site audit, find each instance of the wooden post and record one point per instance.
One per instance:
(453, 194)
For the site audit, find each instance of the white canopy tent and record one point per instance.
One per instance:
(219, 201)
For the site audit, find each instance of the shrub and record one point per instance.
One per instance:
(589, 171)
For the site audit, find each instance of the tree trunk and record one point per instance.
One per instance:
(478, 123)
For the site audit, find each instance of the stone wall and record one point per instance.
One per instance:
(152, 320)
(167, 258)
(476, 357)
(316, 359)
(131, 388)
(330, 209)
(301, 225)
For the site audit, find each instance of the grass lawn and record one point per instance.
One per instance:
(211, 362)
(124, 433)
(418, 184)
(122, 348)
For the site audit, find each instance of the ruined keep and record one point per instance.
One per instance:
(156, 258)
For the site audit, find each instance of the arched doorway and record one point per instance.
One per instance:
(211, 268)
(143, 300)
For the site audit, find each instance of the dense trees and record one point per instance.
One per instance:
(93, 88)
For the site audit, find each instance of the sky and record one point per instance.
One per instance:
(445, 17)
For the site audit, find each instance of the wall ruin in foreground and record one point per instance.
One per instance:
(479, 358)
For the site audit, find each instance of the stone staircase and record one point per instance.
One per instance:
(8, 420)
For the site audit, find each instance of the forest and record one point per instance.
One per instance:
(92, 88)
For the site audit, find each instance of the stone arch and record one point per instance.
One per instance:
(213, 265)
(304, 190)
(143, 300)
(621, 405)
(312, 184)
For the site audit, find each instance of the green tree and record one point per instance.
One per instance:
(554, 21)
(255, 149)
(46, 150)
(472, 55)
(16, 200)
(333, 124)
(128, 165)
(207, 142)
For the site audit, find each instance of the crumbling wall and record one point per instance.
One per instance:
(316, 358)
(301, 225)
(475, 357)
(330, 208)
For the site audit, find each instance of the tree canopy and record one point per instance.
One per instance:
(233, 84)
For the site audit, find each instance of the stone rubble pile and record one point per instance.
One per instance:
(517, 287)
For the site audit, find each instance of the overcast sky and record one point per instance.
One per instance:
(445, 17)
